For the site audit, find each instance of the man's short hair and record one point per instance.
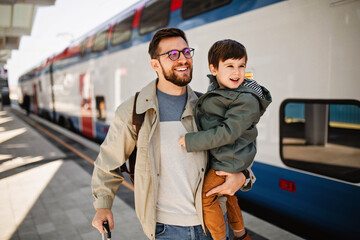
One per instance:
(226, 49)
(161, 34)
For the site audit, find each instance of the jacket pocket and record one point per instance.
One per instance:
(160, 229)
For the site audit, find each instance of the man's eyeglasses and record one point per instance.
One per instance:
(175, 54)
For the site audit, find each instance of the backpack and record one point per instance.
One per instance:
(137, 120)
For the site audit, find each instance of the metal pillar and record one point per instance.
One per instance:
(316, 124)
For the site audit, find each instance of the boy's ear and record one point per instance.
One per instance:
(213, 69)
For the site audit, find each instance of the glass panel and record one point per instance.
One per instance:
(192, 8)
(322, 137)
(100, 108)
(122, 30)
(154, 15)
(83, 47)
(100, 41)
(40, 88)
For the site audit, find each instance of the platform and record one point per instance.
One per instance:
(44, 195)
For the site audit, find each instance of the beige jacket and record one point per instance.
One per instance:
(120, 142)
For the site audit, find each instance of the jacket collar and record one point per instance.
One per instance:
(213, 83)
(190, 103)
(225, 92)
(147, 99)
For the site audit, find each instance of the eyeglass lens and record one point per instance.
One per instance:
(175, 54)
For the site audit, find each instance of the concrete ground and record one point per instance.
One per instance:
(45, 195)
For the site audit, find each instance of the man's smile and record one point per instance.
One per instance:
(181, 69)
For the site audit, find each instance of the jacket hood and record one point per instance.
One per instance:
(264, 100)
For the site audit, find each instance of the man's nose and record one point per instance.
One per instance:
(182, 57)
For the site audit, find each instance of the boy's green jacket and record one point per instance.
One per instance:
(227, 119)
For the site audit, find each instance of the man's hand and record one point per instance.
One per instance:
(101, 215)
(233, 182)
(182, 141)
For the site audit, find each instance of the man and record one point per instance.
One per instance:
(168, 180)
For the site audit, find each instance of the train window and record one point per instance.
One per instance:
(100, 108)
(100, 41)
(122, 30)
(83, 47)
(40, 88)
(321, 136)
(192, 8)
(154, 15)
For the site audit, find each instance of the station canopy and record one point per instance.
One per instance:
(16, 20)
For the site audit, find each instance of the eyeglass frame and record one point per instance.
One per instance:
(192, 50)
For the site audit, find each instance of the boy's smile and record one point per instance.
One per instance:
(230, 73)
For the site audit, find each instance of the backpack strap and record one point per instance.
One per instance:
(137, 120)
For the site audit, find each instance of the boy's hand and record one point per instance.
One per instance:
(233, 182)
(182, 141)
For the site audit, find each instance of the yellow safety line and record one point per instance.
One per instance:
(345, 125)
(331, 124)
(83, 156)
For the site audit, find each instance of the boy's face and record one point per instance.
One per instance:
(230, 73)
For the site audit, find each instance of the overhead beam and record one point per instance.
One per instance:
(16, 20)
(35, 2)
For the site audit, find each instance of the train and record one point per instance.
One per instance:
(304, 51)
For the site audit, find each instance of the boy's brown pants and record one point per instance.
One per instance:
(213, 215)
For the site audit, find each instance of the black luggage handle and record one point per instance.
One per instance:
(107, 234)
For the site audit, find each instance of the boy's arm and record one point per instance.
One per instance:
(242, 113)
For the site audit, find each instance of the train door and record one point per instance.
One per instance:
(35, 100)
(86, 117)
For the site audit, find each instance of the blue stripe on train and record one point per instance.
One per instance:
(324, 203)
(101, 130)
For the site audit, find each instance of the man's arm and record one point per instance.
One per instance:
(115, 150)
(233, 182)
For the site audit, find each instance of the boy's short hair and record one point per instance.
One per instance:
(161, 34)
(226, 49)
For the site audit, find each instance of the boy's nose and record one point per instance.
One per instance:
(237, 72)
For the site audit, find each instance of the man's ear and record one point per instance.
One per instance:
(213, 69)
(155, 64)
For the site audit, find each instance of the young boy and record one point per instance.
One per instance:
(226, 117)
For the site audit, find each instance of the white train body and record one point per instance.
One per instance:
(303, 51)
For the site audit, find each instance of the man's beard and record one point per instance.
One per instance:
(173, 78)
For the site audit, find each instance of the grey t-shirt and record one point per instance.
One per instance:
(171, 107)
(179, 171)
